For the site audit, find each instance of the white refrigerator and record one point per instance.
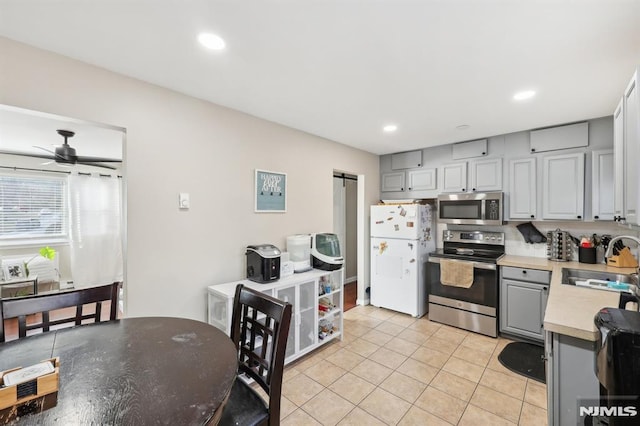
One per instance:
(402, 236)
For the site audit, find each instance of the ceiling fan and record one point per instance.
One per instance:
(66, 154)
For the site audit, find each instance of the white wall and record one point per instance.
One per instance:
(178, 144)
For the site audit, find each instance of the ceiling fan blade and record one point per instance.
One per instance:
(29, 154)
(44, 149)
(97, 165)
(98, 160)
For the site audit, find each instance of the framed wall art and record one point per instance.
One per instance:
(270, 192)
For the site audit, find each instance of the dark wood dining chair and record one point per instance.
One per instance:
(21, 307)
(259, 329)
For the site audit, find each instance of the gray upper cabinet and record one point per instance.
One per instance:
(631, 120)
(561, 137)
(471, 149)
(485, 175)
(618, 161)
(422, 180)
(454, 177)
(406, 160)
(602, 176)
(563, 186)
(523, 189)
(392, 182)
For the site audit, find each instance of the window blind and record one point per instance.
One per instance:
(33, 208)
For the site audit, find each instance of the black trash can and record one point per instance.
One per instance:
(617, 365)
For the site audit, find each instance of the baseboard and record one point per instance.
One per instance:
(361, 302)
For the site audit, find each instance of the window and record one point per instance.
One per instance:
(33, 208)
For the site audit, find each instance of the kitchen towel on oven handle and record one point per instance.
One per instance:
(455, 273)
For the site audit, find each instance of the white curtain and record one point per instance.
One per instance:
(96, 229)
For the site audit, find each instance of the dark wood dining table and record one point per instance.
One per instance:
(133, 371)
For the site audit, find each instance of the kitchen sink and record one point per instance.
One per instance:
(599, 279)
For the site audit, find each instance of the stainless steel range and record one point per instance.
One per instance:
(472, 256)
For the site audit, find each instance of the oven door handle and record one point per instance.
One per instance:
(476, 265)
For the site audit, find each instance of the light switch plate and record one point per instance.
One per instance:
(183, 200)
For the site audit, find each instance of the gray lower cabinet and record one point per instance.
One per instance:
(523, 299)
(571, 378)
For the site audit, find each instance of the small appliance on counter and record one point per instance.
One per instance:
(263, 263)
(299, 248)
(559, 246)
(325, 252)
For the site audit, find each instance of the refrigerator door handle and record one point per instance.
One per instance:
(476, 265)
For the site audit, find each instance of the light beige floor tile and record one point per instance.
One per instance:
(357, 329)
(327, 407)
(372, 371)
(388, 358)
(300, 389)
(536, 394)
(440, 345)
(382, 314)
(418, 417)
(454, 385)
(509, 385)
(414, 336)
(532, 416)
(289, 373)
(378, 337)
(425, 326)
(363, 347)
(385, 406)
(403, 386)
(418, 370)
(347, 338)
(480, 342)
(352, 388)
(299, 417)
(390, 328)
(368, 321)
(329, 348)
(325, 373)
(441, 404)
(497, 403)
(430, 356)
(286, 407)
(362, 309)
(450, 334)
(472, 355)
(345, 358)
(306, 361)
(401, 346)
(359, 417)
(402, 320)
(475, 416)
(464, 369)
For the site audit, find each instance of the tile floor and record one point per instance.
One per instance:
(394, 369)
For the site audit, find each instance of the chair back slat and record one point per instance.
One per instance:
(21, 307)
(260, 328)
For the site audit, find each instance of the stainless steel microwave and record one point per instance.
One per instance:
(474, 208)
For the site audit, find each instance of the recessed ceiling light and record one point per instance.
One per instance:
(390, 128)
(211, 41)
(525, 94)
(463, 127)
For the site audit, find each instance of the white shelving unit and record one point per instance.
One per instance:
(317, 302)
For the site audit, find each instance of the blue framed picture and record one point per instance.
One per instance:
(270, 192)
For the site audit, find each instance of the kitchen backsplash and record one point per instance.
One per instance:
(515, 244)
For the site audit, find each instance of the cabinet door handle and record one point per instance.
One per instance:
(596, 217)
(473, 189)
(401, 189)
(579, 217)
(532, 216)
(545, 288)
(409, 189)
(533, 150)
(464, 189)
(524, 272)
